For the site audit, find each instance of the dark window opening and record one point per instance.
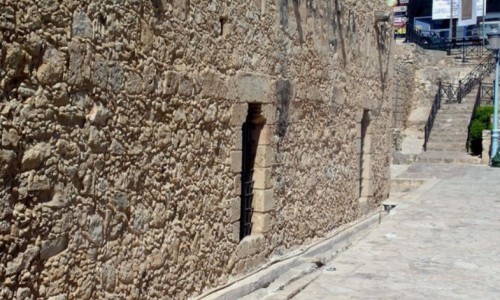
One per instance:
(365, 122)
(251, 132)
(222, 21)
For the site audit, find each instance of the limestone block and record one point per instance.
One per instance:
(98, 115)
(158, 259)
(126, 272)
(213, 85)
(236, 161)
(239, 112)
(52, 68)
(58, 297)
(53, 247)
(485, 157)
(210, 113)
(366, 190)
(140, 219)
(22, 261)
(237, 185)
(235, 212)
(367, 144)
(261, 222)
(120, 200)
(269, 111)
(15, 59)
(115, 79)
(262, 178)
(7, 160)
(70, 116)
(39, 183)
(367, 169)
(134, 83)
(97, 140)
(339, 95)
(363, 204)
(186, 86)
(254, 88)
(359, 118)
(264, 157)
(60, 95)
(10, 138)
(263, 200)
(250, 245)
(24, 293)
(234, 232)
(95, 229)
(108, 277)
(59, 200)
(33, 158)
(237, 139)
(100, 72)
(67, 149)
(81, 25)
(170, 82)
(25, 91)
(266, 135)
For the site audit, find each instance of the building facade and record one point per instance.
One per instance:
(155, 149)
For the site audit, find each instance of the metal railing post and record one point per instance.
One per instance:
(440, 86)
(459, 93)
(463, 52)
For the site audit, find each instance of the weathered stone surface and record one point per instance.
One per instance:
(52, 68)
(53, 247)
(98, 116)
(33, 158)
(22, 261)
(97, 140)
(121, 149)
(81, 25)
(10, 138)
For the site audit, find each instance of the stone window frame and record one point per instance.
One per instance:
(263, 199)
(366, 180)
(252, 88)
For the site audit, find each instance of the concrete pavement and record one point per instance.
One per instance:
(442, 241)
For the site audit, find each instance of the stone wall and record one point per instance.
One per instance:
(403, 90)
(121, 138)
(421, 71)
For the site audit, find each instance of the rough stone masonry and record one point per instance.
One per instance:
(121, 138)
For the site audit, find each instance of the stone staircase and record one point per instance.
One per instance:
(448, 140)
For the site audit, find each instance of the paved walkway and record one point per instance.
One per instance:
(442, 241)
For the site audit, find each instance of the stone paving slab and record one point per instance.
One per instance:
(441, 244)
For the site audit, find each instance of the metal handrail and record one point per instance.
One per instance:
(471, 46)
(436, 105)
(451, 93)
(487, 93)
(477, 103)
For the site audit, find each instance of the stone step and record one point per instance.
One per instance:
(447, 137)
(446, 146)
(448, 157)
(458, 108)
(449, 128)
(446, 120)
(454, 115)
(437, 137)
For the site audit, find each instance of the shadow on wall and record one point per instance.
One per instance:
(383, 31)
(338, 14)
(285, 94)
